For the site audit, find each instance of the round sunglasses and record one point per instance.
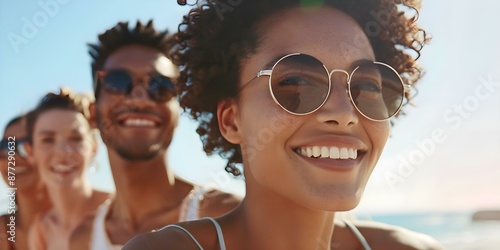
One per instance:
(159, 87)
(301, 84)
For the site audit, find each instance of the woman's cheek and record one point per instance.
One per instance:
(85, 153)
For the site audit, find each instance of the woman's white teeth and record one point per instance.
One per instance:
(344, 153)
(316, 152)
(139, 122)
(329, 152)
(334, 153)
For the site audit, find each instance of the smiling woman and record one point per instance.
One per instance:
(329, 70)
(61, 144)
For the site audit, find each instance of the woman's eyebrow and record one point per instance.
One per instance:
(270, 64)
(46, 132)
(360, 62)
(79, 131)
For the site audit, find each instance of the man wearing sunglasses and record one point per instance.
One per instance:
(136, 111)
(30, 194)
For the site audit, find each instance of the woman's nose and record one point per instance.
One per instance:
(338, 108)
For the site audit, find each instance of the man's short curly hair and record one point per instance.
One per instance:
(121, 35)
(215, 37)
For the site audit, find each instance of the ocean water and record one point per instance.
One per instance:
(455, 231)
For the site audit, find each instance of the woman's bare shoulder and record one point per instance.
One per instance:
(167, 239)
(384, 236)
(173, 237)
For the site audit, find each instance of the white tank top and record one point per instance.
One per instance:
(99, 237)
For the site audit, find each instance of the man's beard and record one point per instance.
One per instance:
(131, 151)
(132, 154)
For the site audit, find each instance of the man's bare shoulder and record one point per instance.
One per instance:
(216, 203)
(384, 236)
(80, 237)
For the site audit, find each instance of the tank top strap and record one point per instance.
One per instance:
(358, 234)
(185, 231)
(220, 235)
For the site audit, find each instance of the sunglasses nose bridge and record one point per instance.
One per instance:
(330, 78)
(339, 93)
(139, 91)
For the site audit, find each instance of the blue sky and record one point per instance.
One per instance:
(442, 156)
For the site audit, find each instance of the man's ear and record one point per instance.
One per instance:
(228, 118)
(92, 118)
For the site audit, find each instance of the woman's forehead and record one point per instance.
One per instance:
(67, 120)
(323, 32)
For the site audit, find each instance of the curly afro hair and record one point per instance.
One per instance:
(216, 36)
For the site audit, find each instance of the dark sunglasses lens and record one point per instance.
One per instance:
(300, 83)
(118, 82)
(3, 148)
(18, 147)
(161, 88)
(376, 90)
